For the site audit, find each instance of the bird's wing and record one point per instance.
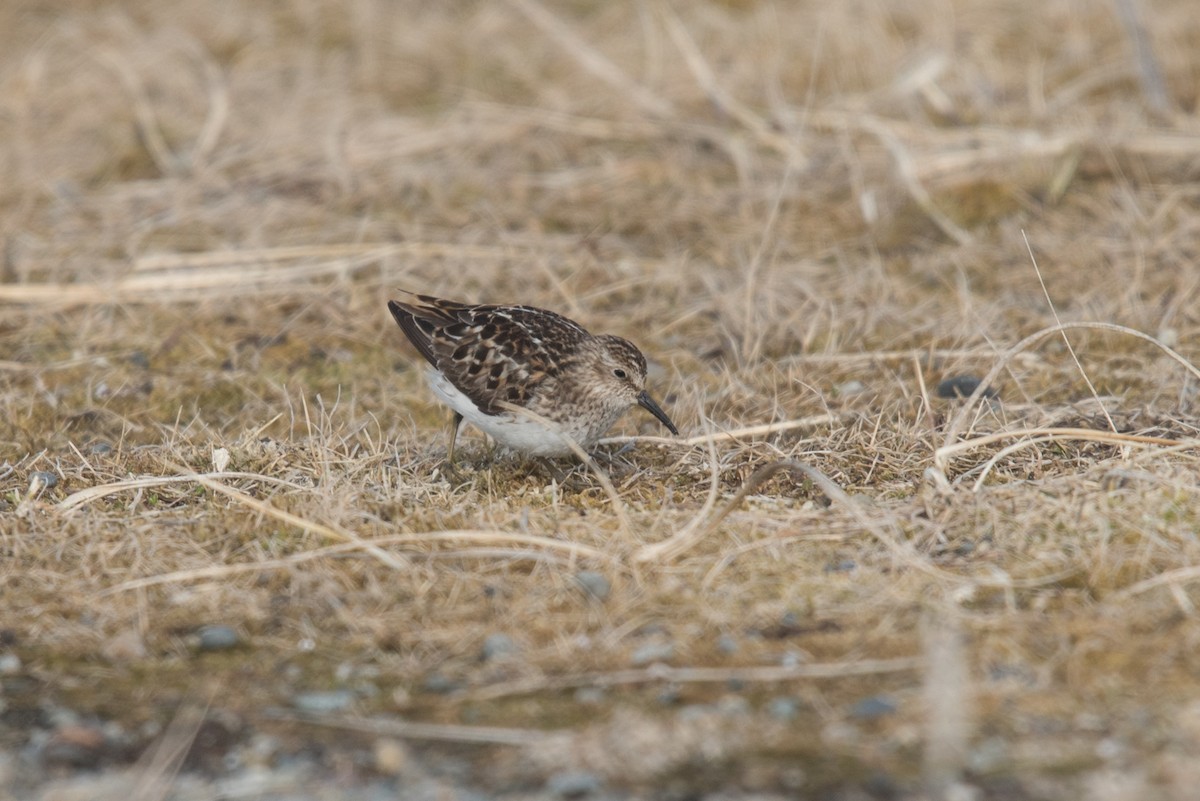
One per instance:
(489, 353)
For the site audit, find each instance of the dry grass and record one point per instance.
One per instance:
(807, 214)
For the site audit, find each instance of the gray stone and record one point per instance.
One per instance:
(42, 479)
(217, 638)
(573, 784)
(594, 584)
(783, 708)
(652, 652)
(320, 702)
(873, 708)
(727, 644)
(498, 645)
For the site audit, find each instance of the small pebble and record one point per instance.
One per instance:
(669, 695)
(218, 638)
(851, 388)
(439, 684)
(391, 757)
(496, 646)
(74, 746)
(592, 696)
(881, 785)
(323, 701)
(694, 714)
(727, 644)
(573, 784)
(261, 749)
(961, 386)
(594, 584)
(42, 479)
(783, 708)
(733, 706)
(10, 664)
(652, 652)
(791, 659)
(873, 708)
(125, 647)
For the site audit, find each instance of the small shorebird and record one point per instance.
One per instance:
(485, 360)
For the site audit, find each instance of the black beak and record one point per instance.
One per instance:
(647, 403)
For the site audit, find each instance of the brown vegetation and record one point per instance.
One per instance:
(808, 215)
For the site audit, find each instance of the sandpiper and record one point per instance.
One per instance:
(486, 360)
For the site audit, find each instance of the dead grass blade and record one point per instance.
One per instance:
(338, 534)
(941, 455)
(910, 177)
(446, 732)
(687, 536)
(85, 496)
(946, 689)
(1040, 435)
(160, 763)
(1066, 340)
(702, 675)
(147, 122)
(591, 59)
(763, 430)
(1149, 74)
(572, 550)
(1170, 579)
(706, 78)
(347, 250)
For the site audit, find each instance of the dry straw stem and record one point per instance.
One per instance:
(690, 534)
(184, 287)
(946, 690)
(702, 675)
(762, 430)
(950, 447)
(178, 277)
(1172, 579)
(1035, 436)
(693, 533)
(86, 496)
(909, 173)
(706, 78)
(446, 732)
(155, 770)
(591, 59)
(339, 534)
(1066, 340)
(572, 551)
(1149, 73)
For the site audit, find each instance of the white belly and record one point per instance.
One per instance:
(509, 429)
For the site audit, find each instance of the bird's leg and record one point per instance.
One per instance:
(550, 467)
(454, 424)
(448, 469)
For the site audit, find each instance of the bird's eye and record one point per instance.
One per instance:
(619, 373)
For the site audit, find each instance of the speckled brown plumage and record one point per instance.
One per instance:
(482, 357)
